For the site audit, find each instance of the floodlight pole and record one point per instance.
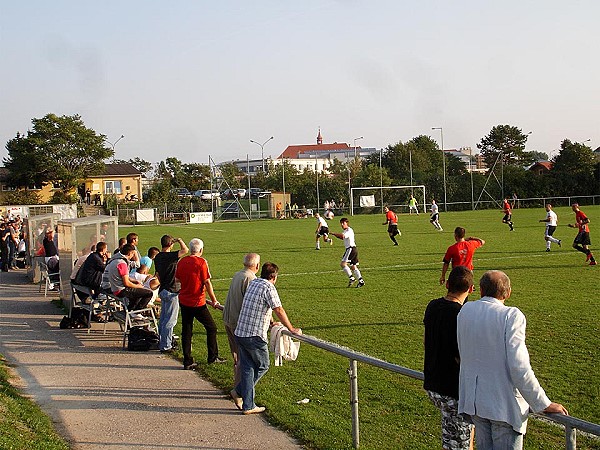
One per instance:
(443, 165)
(114, 145)
(262, 151)
(381, 176)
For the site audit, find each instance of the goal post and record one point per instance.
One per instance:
(375, 197)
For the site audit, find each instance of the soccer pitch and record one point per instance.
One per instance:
(556, 291)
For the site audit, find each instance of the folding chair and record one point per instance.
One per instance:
(128, 319)
(93, 305)
(49, 280)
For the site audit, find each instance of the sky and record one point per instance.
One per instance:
(193, 79)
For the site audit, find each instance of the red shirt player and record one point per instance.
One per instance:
(461, 253)
(582, 240)
(507, 219)
(391, 220)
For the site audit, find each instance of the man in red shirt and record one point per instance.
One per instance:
(391, 220)
(193, 274)
(461, 253)
(582, 240)
(507, 219)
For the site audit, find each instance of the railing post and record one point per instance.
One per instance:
(353, 374)
(570, 438)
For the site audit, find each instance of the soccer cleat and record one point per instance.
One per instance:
(559, 242)
(396, 243)
(593, 263)
(361, 283)
(351, 281)
(547, 249)
(317, 248)
(330, 241)
(588, 257)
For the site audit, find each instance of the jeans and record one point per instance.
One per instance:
(202, 314)
(494, 435)
(254, 363)
(169, 310)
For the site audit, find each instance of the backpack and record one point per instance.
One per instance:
(142, 340)
(78, 319)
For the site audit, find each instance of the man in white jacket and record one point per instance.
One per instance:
(497, 386)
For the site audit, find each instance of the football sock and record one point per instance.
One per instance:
(347, 271)
(393, 239)
(357, 274)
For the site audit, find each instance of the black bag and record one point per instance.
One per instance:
(70, 323)
(142, 340)
(80, 316)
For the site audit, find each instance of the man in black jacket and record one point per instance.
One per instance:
(90, 273)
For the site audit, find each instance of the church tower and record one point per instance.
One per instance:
(319, 137)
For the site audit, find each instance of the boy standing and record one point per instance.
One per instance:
(350, 255)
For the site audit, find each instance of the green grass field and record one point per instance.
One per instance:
(557, 292)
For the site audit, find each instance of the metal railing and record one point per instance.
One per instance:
(570, 423)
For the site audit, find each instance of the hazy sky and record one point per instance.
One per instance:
(196, 78)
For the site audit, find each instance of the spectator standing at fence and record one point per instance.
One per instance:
(350, 254)
(497, 386)
(582, 240)
(434, 219)
(116, 280)
(165, 266)
(260, 301)
(507, 219)
(460, 253)
(412, 205)
(4, 236)
(193, 274)
(233, 305)
(551, 221)
(442, 360)
(391, 220)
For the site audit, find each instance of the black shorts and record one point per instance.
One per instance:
(550, 229)
(582, 238)
(507, 218)
(393, 229)
(434, 217)
(323, 231)
(351, 256)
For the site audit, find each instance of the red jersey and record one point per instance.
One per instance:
(192, 272)
(461, 253)
(506, 207)
(391, 217)
(581, 219)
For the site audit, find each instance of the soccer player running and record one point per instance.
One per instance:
(582, 240)
(391, 220)
(435, 216)
(507, 219)
(461, 253)
(350, 255)
(322, 230)
(551, 222)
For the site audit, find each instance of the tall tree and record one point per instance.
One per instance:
(58, 149)
(506, 139)
(573, 169)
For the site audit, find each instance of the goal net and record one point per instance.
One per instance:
(372, 199)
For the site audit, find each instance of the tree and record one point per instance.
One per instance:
(140, 164)
(573, 169)
(506, 139)
(58, 149)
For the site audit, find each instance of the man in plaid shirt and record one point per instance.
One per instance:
(260, 300)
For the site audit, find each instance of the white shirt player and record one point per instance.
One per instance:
(322, 222)
(349, 238)
(434, 208)
(551, 218)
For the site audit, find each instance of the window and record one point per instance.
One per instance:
(6, 188)
(112, 187)
(34, 187)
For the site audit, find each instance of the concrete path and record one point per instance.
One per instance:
(102, 397)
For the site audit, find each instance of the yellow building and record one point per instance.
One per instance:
(122, 180)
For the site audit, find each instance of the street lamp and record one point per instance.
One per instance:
(443, 164)
(114, 145)
(356, 139)
(262, 152)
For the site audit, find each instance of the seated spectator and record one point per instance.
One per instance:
(51, 258)
(116, 280)
(87, 251)
(90, 273)
(122, 242)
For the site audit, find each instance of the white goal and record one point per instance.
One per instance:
(364, 200)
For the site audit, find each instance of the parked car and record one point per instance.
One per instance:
(258, 193)
(205, 194)
(182, 193)
(231, 193)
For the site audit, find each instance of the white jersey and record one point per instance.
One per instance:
(552, 219)
(434, 208)
(349, 238)
(322, 222)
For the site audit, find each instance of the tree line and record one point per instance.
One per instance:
(63, 151)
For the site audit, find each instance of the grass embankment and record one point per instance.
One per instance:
(557, 292)
(23, 426)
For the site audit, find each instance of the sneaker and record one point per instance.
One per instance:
(396, 243)
(218, 360)
(361, 283)
(192, 366)
(351, 281)
(236, 399)
(559, 242)
(593, 263)
(255, 410)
